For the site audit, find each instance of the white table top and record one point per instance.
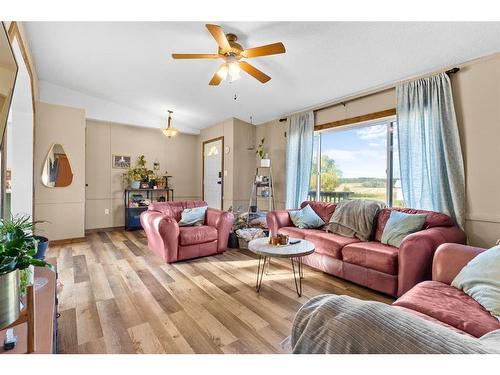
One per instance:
(261, 246)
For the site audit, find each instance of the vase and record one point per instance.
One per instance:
(265, 163)
(9, 298)
(43, 244)
(135, 184)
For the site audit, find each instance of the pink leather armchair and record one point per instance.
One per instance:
(174, 243)
(449, 260)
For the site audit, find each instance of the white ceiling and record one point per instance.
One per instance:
(129, 64)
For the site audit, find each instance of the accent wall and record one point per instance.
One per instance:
(105, 185)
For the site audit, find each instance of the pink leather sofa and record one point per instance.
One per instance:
(441, 303)
(174, 243)
(375, 265)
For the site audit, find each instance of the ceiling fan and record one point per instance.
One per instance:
(233, 53)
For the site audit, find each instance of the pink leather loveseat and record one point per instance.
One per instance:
(174, 243)
(441, 303)
(373, 264)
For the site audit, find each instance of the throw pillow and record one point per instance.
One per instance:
(480, 279)
(193, 216)
(306, 218)
(400, 225)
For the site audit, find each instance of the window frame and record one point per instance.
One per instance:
(391, 124)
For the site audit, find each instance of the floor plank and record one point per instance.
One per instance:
(115, 296)
(116, 337)
(144, 340)
(87, 323)
(67, 342)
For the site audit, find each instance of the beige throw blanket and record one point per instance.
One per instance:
(354, 218)
(332, 324)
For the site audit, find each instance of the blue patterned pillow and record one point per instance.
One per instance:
(306, 218)
(193, 216)
(400, 225)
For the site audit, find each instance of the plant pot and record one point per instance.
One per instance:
(43, 245)
(232, 242)
(135, 184)
(265, 163)
(9, 298)
(152, 184)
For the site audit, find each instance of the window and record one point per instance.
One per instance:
(357, 162)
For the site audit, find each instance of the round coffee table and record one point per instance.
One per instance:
(295, 252)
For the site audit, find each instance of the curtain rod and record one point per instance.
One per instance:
(448, 72)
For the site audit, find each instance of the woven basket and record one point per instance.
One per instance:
(242, 243)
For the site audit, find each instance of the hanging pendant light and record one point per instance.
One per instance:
(170, 131)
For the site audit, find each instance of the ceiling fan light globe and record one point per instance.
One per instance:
(234, 71)
(236, 76)
(222, 72)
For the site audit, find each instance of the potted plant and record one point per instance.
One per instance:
(264, 158)
(43, 245)
(139, 174)
(18, 248)
(133, 176)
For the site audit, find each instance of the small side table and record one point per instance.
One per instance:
(295, 252)
(45, 309)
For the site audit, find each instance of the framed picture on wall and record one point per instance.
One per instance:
(121, 162)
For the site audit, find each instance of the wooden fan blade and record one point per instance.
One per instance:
(254, 72)
(217, 78)
(270, 49)
(219, 36)
(195, 55)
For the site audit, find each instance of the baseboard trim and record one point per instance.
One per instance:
(107, 229)
(66, 241)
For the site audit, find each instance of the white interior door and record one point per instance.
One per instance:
(212, 173)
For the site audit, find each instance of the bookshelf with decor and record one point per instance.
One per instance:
(144, 187)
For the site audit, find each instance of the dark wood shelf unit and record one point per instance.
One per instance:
(132, 214)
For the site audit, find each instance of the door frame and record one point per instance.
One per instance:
(221, 138)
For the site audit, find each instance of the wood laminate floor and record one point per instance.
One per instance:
(115, 296)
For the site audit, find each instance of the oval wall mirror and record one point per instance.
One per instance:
(57, 168)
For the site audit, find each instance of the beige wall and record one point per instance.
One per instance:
(275, 145)
(243, 162)
(62, 208)
(176, 155)
(476, 90)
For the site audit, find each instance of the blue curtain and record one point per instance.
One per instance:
(432, 168)
(299, 150)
